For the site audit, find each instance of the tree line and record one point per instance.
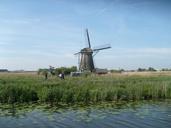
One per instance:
(56, 71)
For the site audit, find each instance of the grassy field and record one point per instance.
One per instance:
(30, 87)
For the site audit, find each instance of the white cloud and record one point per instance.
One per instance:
(132, 58)
(138, 52)
(148, 50)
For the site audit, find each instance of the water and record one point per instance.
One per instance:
(129, 115)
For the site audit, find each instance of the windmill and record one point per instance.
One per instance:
(85, 58)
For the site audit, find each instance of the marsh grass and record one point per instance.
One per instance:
(25, 88)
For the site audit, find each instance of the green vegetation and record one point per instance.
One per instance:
(149, 69)
(56, 71)
(117, 70)
(23, 88)
(66, 70)
(43, 72)
(165, 69)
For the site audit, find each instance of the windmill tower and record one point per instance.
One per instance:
(86, 55)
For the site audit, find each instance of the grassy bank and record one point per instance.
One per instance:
(22, 88)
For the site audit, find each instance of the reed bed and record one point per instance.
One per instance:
(23, 88)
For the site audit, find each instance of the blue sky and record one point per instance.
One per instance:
(38, 33)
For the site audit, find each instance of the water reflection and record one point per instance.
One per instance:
(146, 114)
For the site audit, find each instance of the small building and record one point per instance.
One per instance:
(101, 71)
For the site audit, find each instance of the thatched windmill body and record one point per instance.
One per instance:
(85, 58)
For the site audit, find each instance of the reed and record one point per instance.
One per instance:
(22, 88)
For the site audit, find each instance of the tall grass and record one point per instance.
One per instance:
(17, 88)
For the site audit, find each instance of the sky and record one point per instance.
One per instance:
(37, 33)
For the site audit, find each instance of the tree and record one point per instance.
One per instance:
(141, 69)
(43, 72)
(66, 70)
(151, 69)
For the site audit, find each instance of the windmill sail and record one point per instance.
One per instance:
(102, 47)
(88, 38)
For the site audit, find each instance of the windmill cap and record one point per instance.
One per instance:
(86, 50)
